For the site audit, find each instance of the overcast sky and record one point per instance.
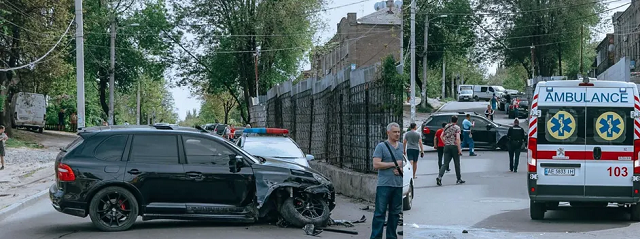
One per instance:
(184, 100)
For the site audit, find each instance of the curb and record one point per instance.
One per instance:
(13, 208)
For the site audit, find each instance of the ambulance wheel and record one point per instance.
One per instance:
(537, 210)
(635, 212)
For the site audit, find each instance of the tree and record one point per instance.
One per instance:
(552, 26)
(231, 31)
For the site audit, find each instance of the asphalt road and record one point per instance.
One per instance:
(41, 221)
(494, 203)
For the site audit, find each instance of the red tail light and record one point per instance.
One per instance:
(65, 173)
(635, 157)
(426, 130)
(532, 155)
(585, 84)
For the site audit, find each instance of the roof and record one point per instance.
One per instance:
(383, 17)
(596, 83)
(137, 128)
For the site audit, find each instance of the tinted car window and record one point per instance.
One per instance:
(480, 123)
(438, 120)
(206, 151)
(483, 89)
(155, 149)
(112, 148)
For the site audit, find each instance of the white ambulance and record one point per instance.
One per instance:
(584, 141)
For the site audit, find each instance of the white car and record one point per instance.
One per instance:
(407, 184)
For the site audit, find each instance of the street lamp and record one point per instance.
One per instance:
(423, 103)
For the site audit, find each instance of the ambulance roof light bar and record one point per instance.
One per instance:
(585, 80)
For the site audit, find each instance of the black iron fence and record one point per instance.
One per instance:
(339, 119)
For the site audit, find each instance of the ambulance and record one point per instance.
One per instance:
(583, 146)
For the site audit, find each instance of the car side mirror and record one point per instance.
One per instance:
(489, 126)
(236, 163)
(310, 157)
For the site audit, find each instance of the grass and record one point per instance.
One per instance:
(20, 140)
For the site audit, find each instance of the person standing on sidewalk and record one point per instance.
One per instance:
(439, 145)
(452, 149)
(516, 138)
(387, 159)
(489, 113)
(61, 120)
(413, 144)
(74, 122)
(507, 102)
(516, 107)
(494, 102)
(467, 137)
(3, 142)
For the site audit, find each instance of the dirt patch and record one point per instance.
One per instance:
(47, 139)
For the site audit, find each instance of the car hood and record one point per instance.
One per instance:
(287, 163)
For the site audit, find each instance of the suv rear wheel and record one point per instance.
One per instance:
(537, 210)
(113, 209)
(305, 209)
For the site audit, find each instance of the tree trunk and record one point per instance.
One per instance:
(103, 95)
(559, 61)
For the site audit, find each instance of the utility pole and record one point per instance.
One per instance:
(138, 104)
(581, 51)
(423, 103)
(256, 66)
(533, 63)
(112, 70)
(413, 61)
(80, 64)
(443, 75)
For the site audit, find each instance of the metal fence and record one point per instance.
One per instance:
(340, 118)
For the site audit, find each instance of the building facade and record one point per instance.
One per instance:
(627, 33)
(360, 42)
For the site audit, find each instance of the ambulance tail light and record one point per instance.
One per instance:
(585, 84)
(636, 157)
(532, 155)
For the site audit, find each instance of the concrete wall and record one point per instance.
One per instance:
(349, 183)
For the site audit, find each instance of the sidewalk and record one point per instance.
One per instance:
(420, 117)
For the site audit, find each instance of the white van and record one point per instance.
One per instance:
(29, 110)
(485, 92)
(584, 141)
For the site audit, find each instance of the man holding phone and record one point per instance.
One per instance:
(452, 149)
(467, 137)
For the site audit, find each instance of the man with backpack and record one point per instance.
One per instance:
(452, 149)
(387, 159)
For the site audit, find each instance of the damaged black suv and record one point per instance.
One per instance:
(115, 174)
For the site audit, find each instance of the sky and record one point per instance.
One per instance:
(185, 101)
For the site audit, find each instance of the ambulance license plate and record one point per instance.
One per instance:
(560, 171)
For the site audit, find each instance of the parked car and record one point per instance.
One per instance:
(503, 100)
(523, 110)
(29, 111)
(486, 133)
(115, 174)
(407, 184)
(485, 92)
(465, 95)
(273, 143)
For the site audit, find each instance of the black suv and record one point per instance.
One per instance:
(115, 174)
(486, 134)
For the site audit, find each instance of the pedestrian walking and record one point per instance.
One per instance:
(494, 102)
(507, 102)
(439, 145)
(489, 113)
(516, 107)
(387, 159)
(413, 146)
(452, 149)
(3, 138)
(516, 138)
(61, 120)
(74, 122)
(467, 137)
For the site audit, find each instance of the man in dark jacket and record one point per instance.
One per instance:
(516, 136)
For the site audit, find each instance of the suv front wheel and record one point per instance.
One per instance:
(113, 209)
(305, 209)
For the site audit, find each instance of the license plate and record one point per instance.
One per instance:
(560, 171)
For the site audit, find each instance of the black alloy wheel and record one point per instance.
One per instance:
(113, 209)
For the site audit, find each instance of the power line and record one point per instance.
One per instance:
(45, 55)
(518, 12)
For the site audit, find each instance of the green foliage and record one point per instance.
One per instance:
(553, 26)
(513, 77)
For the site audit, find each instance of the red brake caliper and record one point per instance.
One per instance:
(122, 205)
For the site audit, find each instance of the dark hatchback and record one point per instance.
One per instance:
(115, 174)
(486, 134)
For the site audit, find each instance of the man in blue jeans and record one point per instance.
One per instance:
(467, 139)
(389, 189)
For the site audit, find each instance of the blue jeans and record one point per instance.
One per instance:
(506, 107)
(467, 141)
(390, 197)
(516, 113)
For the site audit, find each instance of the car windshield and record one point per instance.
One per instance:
(466, 92)
(273, 147)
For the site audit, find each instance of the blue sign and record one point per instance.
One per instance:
(596, 97)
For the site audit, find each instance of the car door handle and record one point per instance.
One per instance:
(194, 174)
(134, 171)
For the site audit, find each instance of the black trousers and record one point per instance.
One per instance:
(514, 155)
(451, 153)
(440, 157)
